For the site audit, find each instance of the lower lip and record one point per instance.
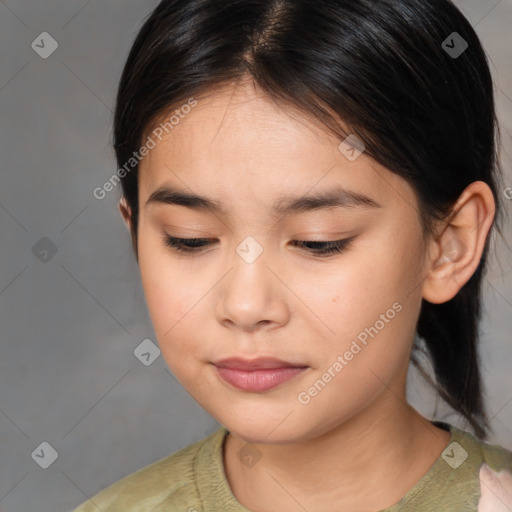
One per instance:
(258, 380)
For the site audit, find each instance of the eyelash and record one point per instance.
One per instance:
(322, 248)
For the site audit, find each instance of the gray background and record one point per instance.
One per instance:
(69, 326)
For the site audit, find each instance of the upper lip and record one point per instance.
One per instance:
(255, 364)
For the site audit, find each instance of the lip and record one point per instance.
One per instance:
(260, 363)
(257, 375)
(258, 380)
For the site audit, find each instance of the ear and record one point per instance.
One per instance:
(126, 213)
(457, 251)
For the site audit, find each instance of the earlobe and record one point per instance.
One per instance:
(458, 250)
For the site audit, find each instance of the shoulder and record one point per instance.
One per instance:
(170, 481)
(489, 466)
(495, 479)
(480, 452)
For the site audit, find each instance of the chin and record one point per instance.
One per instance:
(267, 431)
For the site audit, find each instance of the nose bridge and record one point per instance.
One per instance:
(252, 248)
(250, 260)
(250, 293)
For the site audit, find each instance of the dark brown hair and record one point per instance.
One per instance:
(382, 66)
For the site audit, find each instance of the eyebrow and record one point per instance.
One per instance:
(286, 205)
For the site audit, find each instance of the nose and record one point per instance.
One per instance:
(252, 295)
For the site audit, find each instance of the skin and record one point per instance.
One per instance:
(358, 444)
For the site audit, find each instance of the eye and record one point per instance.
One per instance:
(322, 248)
(186, 244)
(192, 245)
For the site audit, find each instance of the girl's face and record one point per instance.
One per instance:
(348, 316)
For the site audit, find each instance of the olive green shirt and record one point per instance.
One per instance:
(193, 480)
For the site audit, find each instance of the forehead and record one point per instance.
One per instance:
(237, 141)
(243, 118)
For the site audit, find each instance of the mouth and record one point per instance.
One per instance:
(257, 375)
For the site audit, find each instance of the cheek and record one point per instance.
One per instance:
(173, 297)
(364, 305)
(351, 293)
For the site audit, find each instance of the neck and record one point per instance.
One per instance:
(368, 462)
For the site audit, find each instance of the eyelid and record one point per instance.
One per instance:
(327, 247)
